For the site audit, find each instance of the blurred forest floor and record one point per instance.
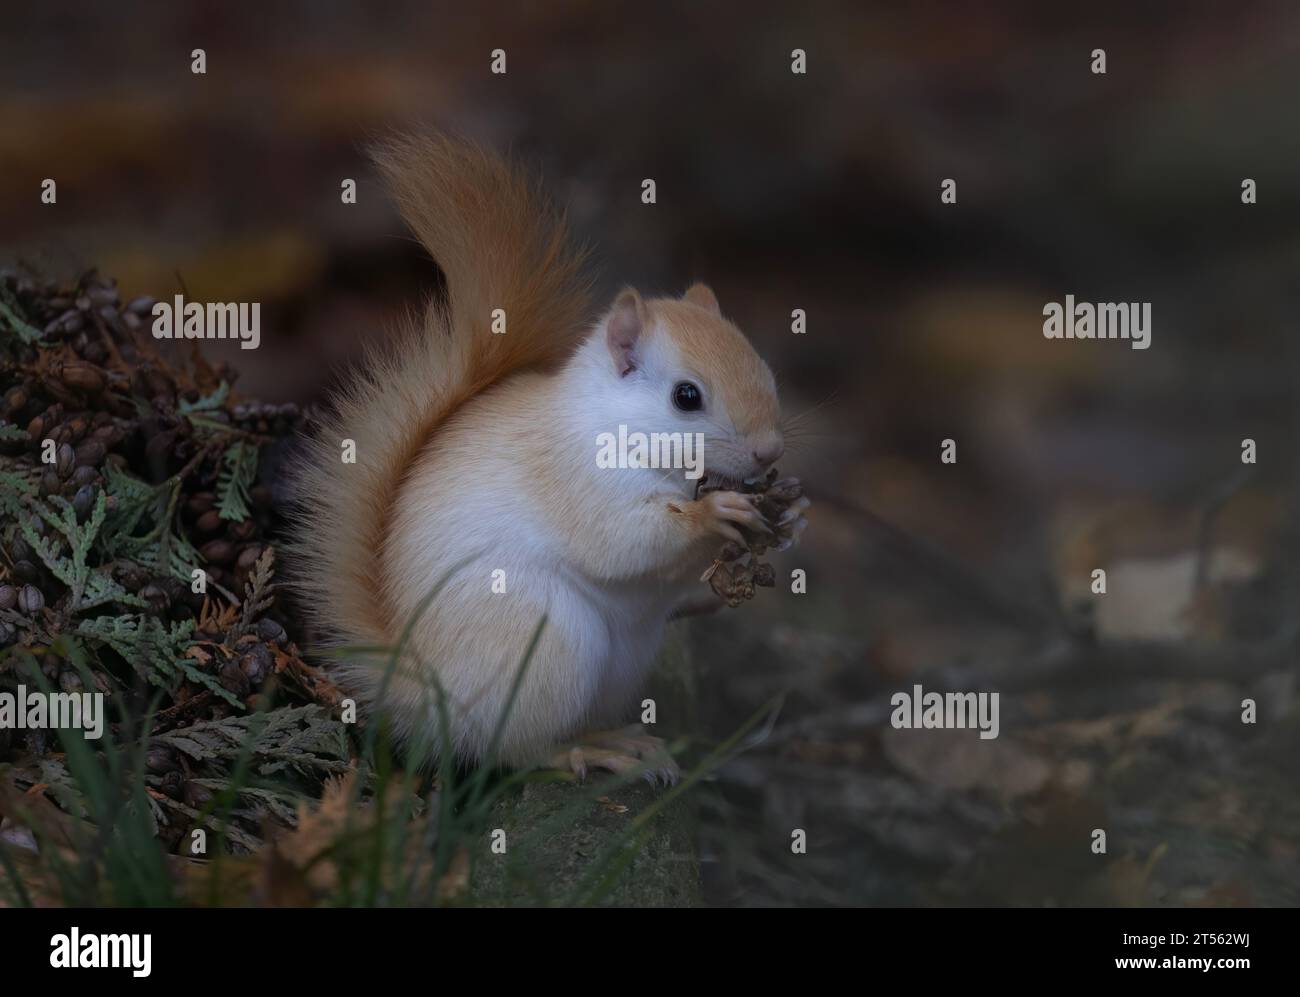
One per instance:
(1120, 711)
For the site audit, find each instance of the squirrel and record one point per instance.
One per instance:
(475, 470)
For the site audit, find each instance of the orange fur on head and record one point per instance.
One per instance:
(708, 342)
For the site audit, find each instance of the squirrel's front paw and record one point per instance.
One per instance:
(792, 523)
(720, 512)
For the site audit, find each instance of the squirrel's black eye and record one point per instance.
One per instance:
(687, 397)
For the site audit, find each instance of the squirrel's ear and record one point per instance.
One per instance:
(623, 330)
(702, 295)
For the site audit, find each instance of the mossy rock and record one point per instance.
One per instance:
(558, 833)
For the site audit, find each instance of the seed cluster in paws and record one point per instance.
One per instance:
(738, 571)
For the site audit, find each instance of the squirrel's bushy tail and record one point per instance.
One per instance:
(500, 244)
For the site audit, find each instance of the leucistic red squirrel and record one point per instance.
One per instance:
(476, 465)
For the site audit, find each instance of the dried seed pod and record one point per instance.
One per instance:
(731, 551)
(84, 476)
(270, 631)
(199, 503)
(69, 322)
(257, 664)
(50, 482)
(171, 783)
(233, 678)
(248, 557)
(243, 530)
(103, 293)
(67, 460)
(218, 551)
(209, 522)
(8, 597)
(786, 490)
(160, 759)
(26, 571)
(196, 795)
(90, 453)
(738, 571)
(173, 586)
(156, 596)
(82, 376)
(723, 581)
(15, 399)
(131, 575)
(178, 600)
(83, 503)
(30, 600)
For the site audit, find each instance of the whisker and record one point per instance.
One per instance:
(795, 419)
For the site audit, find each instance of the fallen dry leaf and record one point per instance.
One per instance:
(959, 760)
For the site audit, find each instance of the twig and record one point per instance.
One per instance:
(956, 575)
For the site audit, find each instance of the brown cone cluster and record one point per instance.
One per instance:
(79, 368)
(738, 571)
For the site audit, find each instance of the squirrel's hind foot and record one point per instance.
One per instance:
(623, 751)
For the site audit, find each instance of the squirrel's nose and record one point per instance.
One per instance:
(769, 449)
